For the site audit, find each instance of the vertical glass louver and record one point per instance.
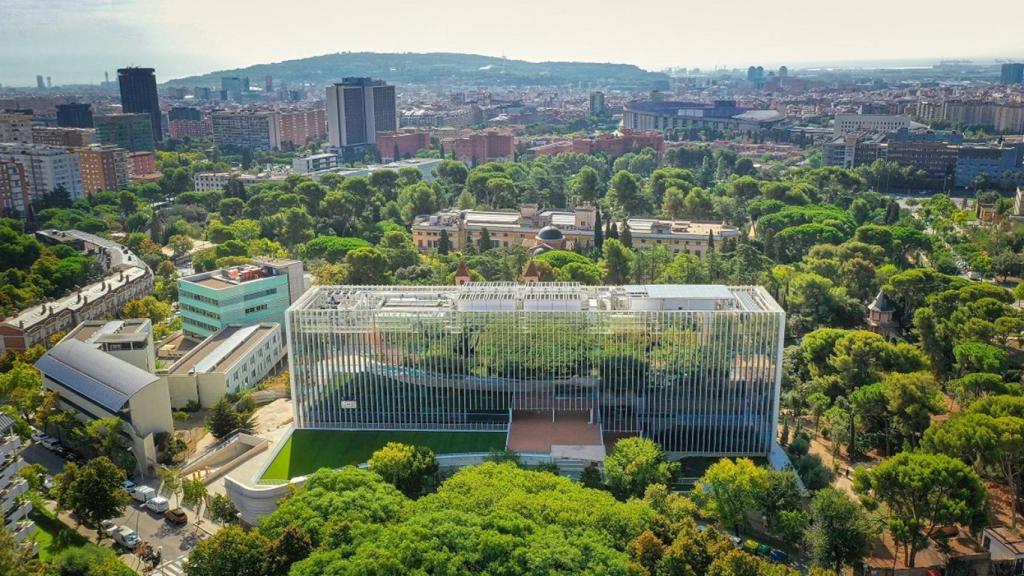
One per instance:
(400, 357)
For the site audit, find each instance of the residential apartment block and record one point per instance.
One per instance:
(69, 137)
(181, 129)
(613, 145)
(142, 167)
(14, 504)
(15, 192)
(480, 147)
(403, 144)
(15, 127)
(128, 278)
(46, 168)
(104, 167)
(247, 129)
(299, 127)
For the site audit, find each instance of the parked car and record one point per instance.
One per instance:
(750, 546)
(763, 549)
(128, 486)
(48, 483)
(128, 538)
(158, 504)
(176, 517)
(48, 443)
(778, 555)
(108, 528)
(143, 494)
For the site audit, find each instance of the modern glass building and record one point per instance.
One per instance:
(696, 368)
(240, 295)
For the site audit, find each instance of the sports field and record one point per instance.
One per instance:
(307, 451)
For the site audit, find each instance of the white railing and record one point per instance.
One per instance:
(24, 529)
(20, 513)
(11, 471)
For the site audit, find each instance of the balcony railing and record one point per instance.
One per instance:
(10, 470)
(10, 494)
(9, 445)
(23, 530)
(19, 513)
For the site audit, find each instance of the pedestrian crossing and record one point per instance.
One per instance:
(173, 568)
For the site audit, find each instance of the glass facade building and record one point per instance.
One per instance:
(696, 368)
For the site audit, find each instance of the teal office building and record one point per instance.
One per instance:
(240, 295)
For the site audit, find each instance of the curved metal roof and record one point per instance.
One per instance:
(94, 375)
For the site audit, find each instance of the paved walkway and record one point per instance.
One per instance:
(538, 432)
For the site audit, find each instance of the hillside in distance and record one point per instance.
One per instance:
(432, 68)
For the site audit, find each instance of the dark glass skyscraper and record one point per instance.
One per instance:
(1011, 73)
(74, 115)
(138, 95)
(357, 109)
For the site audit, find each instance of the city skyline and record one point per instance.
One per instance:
(170, 37)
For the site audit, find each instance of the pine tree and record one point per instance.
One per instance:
(626, 237)
(444, 244)
(591, 476)
(613, 230)
(484, 242)
(598, 232)
(396, 153)
(711, 241)
(222, 419)
(892, 212)
(442, 150)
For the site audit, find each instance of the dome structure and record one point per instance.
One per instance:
(550, 234)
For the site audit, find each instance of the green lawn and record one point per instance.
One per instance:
(309, 450)
(52, 535)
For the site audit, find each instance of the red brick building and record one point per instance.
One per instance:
(142, 167)
(104, 167)
(614, 145)
(407, 142)
(181, 129)
(297, 127)
(70, 137)
(480, 147)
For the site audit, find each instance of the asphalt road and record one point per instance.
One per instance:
(176, 541)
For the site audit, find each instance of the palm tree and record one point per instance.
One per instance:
(171, 484)
(195, 496)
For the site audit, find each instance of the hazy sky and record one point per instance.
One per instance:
(76, 40)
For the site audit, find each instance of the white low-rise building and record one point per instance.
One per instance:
(230, 360)
(96, 384)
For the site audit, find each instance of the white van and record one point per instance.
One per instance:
(128, 538)
(143, 494)
(158, 504)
